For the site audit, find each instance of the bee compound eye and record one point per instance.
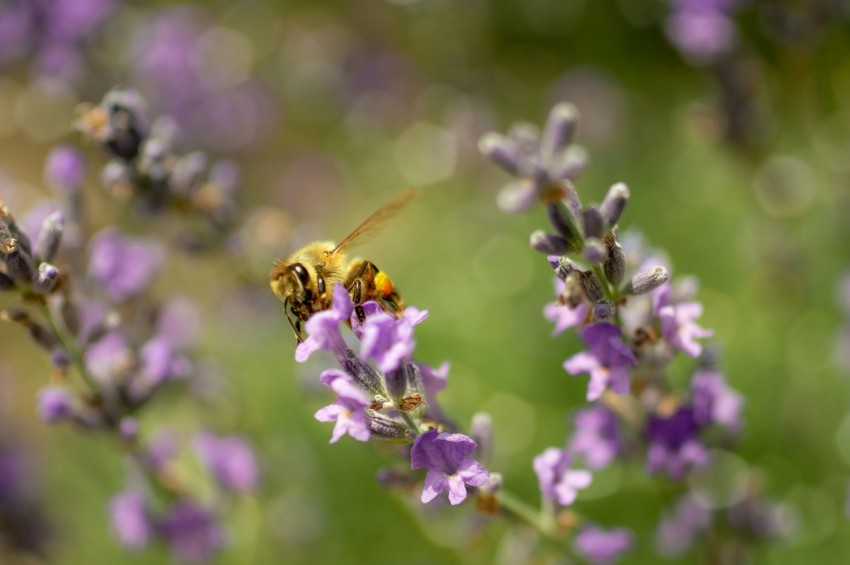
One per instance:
(301, 273)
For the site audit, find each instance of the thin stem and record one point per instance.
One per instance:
(542, 523)
(411, 423)
(70, 346)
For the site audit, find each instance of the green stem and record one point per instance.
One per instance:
(70, 346)
(411, 423)
(542, 523)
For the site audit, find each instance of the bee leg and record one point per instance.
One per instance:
(296, 325)
(356, 293)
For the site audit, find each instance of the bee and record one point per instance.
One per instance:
(305, 280)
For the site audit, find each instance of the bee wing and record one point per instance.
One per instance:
(376, 220)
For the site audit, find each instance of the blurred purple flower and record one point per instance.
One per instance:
(596, 436)
(677, 531)
(557, 480)
(673, 444)
(323, 328)
(450, 467)
(229, 459)
(602, 547)
(65, 169)
(701, 37)
(130, 519)
(193, 533)
(714, 401)
(348, 410)
(607, 361)
(109, 358)
(678, 322)
(123, 267)
(434, 380)
(54, 404)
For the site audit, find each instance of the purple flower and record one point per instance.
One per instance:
(323, 328)
(434, 380)
(714, 402)
(348, 410)
(109, 358)
(180, 323)
(230, 459)
(607, 361)
(122, 266)
(701, 37)
(602, 547)
(54, 404)
(130, 519)
(557, 480)
(193, 533)
(596, 436)
(673, 444)
(678, 322)
(450, 467)
(387, 340)
(65, 169)
(677, 531)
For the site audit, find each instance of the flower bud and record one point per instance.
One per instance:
(561, 219)
(128, 428)
(362, 373)
(54, 404)
(559, 129)
(615, 261)
(604, 310)
(647, 281)
(594, 224)
(50, 236)
(19, 267)
(563, 267)
(42, 336)
(45, 280)
(592, 286)
(383, 426)
(614, 203)
(188, 173)
(501, 150)
(594, 251)
(60, 358)
(550, 244)
(71, 316)
(117, 178)
(65, 169)
(481, 431)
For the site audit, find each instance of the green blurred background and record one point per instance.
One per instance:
(762, 224)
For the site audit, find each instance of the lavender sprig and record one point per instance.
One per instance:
(634, 321)
(148, 167)
(87, 304)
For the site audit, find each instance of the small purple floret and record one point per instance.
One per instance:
(557, 480)
(450, 467)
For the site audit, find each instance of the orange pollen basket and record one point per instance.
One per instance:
(383, 284)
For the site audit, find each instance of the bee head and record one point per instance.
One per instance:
(292, 283)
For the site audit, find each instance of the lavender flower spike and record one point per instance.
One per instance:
(54, 404)
(557, 481)
(450, 467)
(607, 361)
(348, 411)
